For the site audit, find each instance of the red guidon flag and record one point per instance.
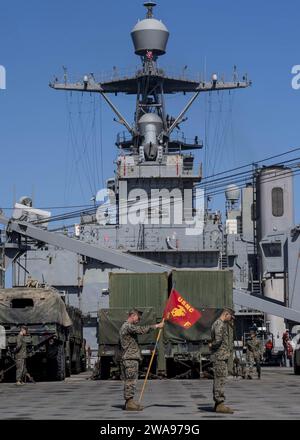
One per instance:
(180, 312)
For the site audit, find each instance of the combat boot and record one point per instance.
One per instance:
(131, 405)
(221, 408)
(30, 379)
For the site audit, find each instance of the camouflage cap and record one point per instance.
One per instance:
(229, 310)
(135, 311)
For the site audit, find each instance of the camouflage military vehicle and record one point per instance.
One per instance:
(45, 314)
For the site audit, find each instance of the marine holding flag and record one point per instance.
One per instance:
(131, 355)
(178, 311)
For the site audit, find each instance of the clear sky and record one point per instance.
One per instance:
(51, 142)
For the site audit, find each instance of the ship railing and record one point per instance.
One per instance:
(177, 136)
(116, 74)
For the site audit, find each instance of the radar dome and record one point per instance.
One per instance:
(232, 193)
(150, 34)
(25, 200)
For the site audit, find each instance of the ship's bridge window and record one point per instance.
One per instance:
(277, 202)
(272, 249)
(21, 303)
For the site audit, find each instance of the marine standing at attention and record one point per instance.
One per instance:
(253, 355)
(221, 350)
(21, 355)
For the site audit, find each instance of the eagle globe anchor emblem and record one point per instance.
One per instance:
(180, 312)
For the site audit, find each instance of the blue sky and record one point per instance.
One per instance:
(38, 37)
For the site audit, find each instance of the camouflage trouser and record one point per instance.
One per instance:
(251, 361)
(129, 373)
(20, 369)
(239, 368)
(220, 375)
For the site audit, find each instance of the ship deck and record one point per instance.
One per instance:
(275, 396)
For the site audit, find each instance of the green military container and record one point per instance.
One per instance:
(186, 350)
(139, 290)
(146, 291)
(110, 321)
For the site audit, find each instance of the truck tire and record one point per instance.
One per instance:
(77, 362)
(104, 368)
(83, 364)
(296, 369)
(68, 360)
(170, 368)
(68, 368)
(60, 373)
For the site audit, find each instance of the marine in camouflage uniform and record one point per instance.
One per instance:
(253, 356)
(131, 355)
(221, 350)
(21, 355)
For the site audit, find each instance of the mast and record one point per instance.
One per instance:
(150, 135)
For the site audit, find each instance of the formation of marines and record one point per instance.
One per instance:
(221, 350)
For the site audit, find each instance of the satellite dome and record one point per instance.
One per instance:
(232, 193)
(150, 34)
(26, 200)
(150, 118)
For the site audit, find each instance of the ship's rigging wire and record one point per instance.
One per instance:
(90, 165)
(246, 175)
(101, 140)
(86, 141)
(84, 145)
(205, 178)
(70, 163)
(243, 182)
(266, 159)
(242, 179)
(216, 183)
(92, 211)
(216, 140)
(226, 180)
(76, 165)
(218, 127)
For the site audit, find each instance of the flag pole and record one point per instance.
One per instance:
(150, 363)
(154, 350)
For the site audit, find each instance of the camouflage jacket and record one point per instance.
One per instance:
(254, 347)
(21, 349)
(221, 346)
(128, 340)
